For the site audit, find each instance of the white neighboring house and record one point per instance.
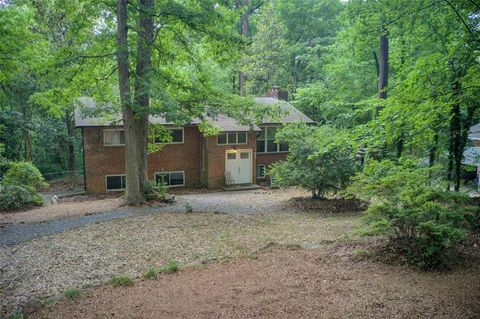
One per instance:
(471, 155)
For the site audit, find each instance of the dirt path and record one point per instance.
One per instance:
(318, 283)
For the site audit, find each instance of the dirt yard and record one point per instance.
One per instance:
(327, 282)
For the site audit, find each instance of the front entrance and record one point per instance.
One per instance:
(238, 167)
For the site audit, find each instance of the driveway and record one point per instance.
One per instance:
(21, 227)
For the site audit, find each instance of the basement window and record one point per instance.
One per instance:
(260, 170)
(170, 179)
(115, 182)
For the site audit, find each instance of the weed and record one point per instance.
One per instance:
(151, 273)
(188, 208)
(16, 315)
(49, 302)
(171, 267)
(357, 252)
(118, 281)
(72, 293)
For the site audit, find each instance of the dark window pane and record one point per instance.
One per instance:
(271, 146)
(232, 138)
(283, 147)
(271, 133)
(162, 179)
(222, 138)
(261, 136)
(177, 135)
(231, 156)
(176, 178)
(244, 155)
(114, 183)
(242, 138)
(121, 136)
(261, 170)
(260, 146)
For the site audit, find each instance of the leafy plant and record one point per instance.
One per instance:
(423, 221)
(170, 267)
(322, 162)
(15, 197)
(72, 293)
(154, 192)
(118, 281)
(16, 315)
(24, 174)
(188, 208)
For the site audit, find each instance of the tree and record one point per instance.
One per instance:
(323, 162)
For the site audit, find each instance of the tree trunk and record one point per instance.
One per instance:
(244, 33)
(383, 65)
(71, 147)
(455, 139)
(27, 144)
(142, 85)
(133, 195)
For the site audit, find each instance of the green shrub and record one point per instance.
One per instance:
(15, 197)
(423, 221)
(72, 293)
(16, 315)
(24, 174)
(122, 281)
(151, 273)
(171, 267)
(154, 192)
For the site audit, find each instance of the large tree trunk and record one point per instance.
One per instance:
(133, 194)
(383, 66)
(244, 33)
(142, 85)
(71, 147)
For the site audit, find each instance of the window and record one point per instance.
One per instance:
(261, 170)
(177, 136)
(113, 137)
(266, 141)
(231, 156)
(171, 179)
(115, 182)
(244, 155)
(232, 138)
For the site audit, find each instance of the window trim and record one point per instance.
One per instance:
(114, 190)
(236, 138)
(112, 129)
(264, 168)
(169, 172)
(173, 128)
(265, 140)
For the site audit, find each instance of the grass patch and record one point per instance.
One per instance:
(118, 281)
(72, 293)
(49, 302)
(357, 252)
(16, 315)
(169, 268)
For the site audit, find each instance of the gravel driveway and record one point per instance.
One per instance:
(243, 202)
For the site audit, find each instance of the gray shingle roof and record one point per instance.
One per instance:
(471, 156)
(225, 123)
(474, 132)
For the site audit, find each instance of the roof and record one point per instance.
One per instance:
(474, 132)
(293, 114)
(225, 123)
(471, 156)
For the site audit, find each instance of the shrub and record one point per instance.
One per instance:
(122, 281)
(423, 221)
(72, 293)
(154, 192)
(322, 162)
(24, 174)
(15, 197)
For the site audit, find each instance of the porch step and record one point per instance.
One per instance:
(240, 187)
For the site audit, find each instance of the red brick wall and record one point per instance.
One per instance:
(270, 158)
(216, 159)
(103, 160)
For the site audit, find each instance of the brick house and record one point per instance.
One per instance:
(237, 156)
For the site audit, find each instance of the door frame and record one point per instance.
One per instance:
(250, 151)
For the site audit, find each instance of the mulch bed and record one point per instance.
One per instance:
(328, 205)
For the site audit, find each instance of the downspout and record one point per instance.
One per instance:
(83, 159)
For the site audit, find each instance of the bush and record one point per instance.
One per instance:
(15, 197)
(154, 192)
(72, 293)
(423, 221)
(324, 160)
(24, 174)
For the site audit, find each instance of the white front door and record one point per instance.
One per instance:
(238, 166)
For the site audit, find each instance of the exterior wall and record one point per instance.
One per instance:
(268, 159)
(215, 168)
(103, 160)
(476, 143)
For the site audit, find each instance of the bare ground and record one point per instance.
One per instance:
(327, 282)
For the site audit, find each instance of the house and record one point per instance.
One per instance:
(238, 155)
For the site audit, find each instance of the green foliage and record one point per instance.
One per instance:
(188, 208)
(14, 197)
(72, 293)
(16, 315)
(323, 161)
(118, 281)
(152, 191)
(422, 220)
(169, 268)
(24, 174)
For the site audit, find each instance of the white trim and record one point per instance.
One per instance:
(173, 128)
(236, 133)
(168, 172)
(250, 151)
(114, 190)
(112, 129)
